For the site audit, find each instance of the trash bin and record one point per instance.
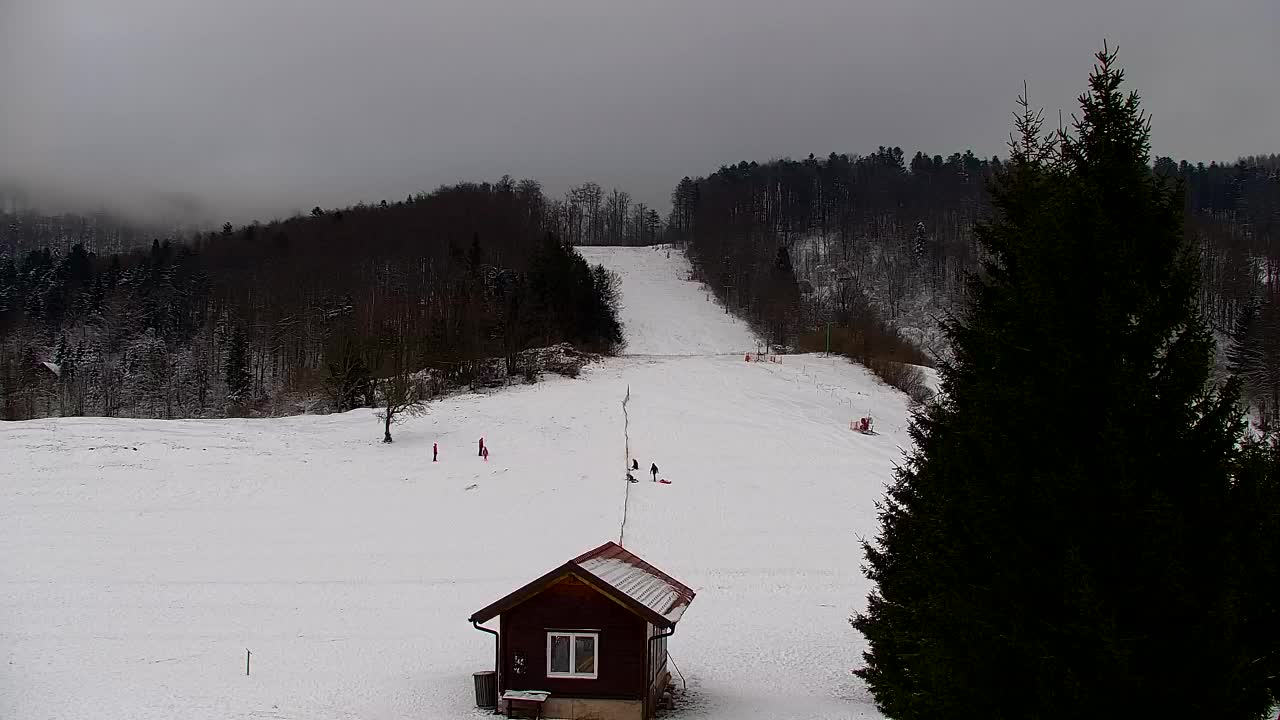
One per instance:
(486, 688)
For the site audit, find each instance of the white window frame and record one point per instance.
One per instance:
(573, 652)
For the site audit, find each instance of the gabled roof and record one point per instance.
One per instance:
(611, 569)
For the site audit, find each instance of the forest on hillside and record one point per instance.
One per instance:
(23, 230)
(584, 215)
(862, 254)
(302, 314)
(878, 249)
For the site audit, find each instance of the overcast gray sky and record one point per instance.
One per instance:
(259, 107)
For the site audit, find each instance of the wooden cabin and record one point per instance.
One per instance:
(592, 633)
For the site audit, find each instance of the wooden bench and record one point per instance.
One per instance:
(530, 700)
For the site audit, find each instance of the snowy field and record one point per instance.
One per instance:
(139, 559)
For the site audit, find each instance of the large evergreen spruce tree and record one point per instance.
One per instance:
(1060, 543)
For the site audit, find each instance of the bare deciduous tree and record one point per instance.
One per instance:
(403, 393)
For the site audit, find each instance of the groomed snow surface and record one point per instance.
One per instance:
(662, 312)
(140, 559)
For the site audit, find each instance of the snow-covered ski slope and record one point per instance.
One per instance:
(664, 313)
(140, 559)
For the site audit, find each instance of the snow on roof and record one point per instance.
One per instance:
(638, 580)
(648, 591)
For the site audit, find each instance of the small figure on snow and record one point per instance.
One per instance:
(654, 470)
(631, 478)
(635, 464)
(480, 452)
(484, 453)
(435, 452)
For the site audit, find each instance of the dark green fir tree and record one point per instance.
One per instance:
(1060, 542)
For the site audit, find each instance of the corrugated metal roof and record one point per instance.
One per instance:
(649, 592)
(628, 574)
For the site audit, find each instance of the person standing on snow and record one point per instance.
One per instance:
(435, 451)
(654, 470)
(484, 453)
(480, 452)
(635, 464)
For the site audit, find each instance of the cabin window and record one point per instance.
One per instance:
(572, 654)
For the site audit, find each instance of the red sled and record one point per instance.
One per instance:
(664, 481)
